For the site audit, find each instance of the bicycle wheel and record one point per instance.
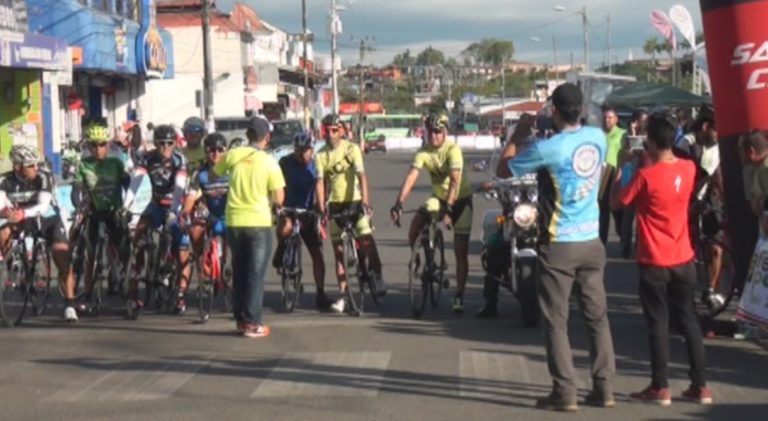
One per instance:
(13, 305)
(138, 274)
(164, 281)
(438, 269)
(417, 283)
(40, 279)
(205, 281)
(726, 288)
(78, 266)
(355, 291)
(96, 269)
(291, 273)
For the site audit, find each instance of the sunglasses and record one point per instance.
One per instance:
(215, 150)
(437, 131)
(334, 129)
(97, 145)
(166, 144)
(30, 166)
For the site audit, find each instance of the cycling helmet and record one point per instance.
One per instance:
(24, 155)
(236, 143)
(436, 122)
(98, 133)
(194, 125)
(215, 140)
(164, 132)
(304, 140)
(332, 120)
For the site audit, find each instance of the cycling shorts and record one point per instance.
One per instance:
(51, 228)
(461, 215)
(362, 224)
(157, 214)
(110, 220)
(309, 232)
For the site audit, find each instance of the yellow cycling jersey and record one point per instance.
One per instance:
(253, 176)
(341, 166)
(439, 162)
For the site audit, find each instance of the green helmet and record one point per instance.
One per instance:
(98, 133)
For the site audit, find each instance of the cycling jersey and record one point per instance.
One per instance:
(572, 163)
(168, 177)
(213, 190)
(299, 182)
(195, 157)
(253, 175)
(439, 163)
(33, 196)
(104, 181)
(340, 166)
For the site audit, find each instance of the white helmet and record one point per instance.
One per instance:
(24, 155)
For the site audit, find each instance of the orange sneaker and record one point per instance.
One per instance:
(653, 394)
(256, 331)
(698, 394)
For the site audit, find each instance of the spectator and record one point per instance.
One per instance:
(570, 251)
(637, 130)
(615, 136)
(754, 149)
(254, 176)
(661, 193)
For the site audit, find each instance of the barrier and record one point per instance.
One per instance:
(470, 142)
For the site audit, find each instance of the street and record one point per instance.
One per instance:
(384, 365)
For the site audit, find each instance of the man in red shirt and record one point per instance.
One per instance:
(661, 193)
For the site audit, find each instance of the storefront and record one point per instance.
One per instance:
(24, 57)
(120, 47)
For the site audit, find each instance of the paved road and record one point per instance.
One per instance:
(323, 366)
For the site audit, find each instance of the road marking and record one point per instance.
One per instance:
(129, 381)
(326, 374)
(485, 374)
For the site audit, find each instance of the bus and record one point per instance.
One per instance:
(378, 128)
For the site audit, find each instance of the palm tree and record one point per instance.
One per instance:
(651, 47)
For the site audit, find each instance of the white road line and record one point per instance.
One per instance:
(326, 374)
(485, 374)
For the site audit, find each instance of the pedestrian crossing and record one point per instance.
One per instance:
(478, 375)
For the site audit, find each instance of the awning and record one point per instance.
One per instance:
(296, 77)
(33, 51)
(650, 95)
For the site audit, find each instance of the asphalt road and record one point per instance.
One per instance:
(384, 365)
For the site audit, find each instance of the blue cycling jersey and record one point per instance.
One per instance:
(213, 191)
(569, 166)
(300, 181)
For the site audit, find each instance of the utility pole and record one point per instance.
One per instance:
(207, 68)
(503, 93)
(306, 60)
(361, 109)
(610, 60)
(585, 25)
(335, 30)
(554, 51)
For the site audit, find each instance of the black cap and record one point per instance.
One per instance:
(260, 126)
(567, 97)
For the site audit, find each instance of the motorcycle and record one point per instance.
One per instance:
(510, 242)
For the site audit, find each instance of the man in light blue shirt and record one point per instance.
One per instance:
(569, 165)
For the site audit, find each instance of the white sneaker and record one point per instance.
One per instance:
(339, 306)
(70, 314)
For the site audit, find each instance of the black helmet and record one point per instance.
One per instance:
(215, 140)
(436, 122)
(303, 140)
(164, 132)
(194, 125)
(332, 120)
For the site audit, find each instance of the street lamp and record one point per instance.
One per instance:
(585, 28)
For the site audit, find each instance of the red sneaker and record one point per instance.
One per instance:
(652, 394)
(255, 331)
(698, 394)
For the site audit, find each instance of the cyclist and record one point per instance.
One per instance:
(300, 171)
(205, 189)
(26, 193)
(167, 170)
(98, 187)
(340, 166)
(194, 132)
(451, 196)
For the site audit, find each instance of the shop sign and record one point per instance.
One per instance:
(13, 15)
(151, 54)
(34, 51)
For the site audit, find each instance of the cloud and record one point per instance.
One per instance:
(400, 24)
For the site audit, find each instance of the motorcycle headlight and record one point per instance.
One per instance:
(525, 215)
(532, 194)
(513, 196)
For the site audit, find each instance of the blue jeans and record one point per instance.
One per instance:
(251, 248)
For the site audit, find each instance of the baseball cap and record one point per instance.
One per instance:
(567, 97)
(260, 127)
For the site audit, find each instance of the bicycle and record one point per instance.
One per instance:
(427, 266)
(158, 271)
(726, 287)
(355, 263)
(291, 270)
(214, 272)
(28, 280)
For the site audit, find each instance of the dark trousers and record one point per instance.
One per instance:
(664, 290)
(251, 248)
(606, 212)
(562, 266)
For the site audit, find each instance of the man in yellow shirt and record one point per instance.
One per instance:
(341, 173)
(194, 132)
(614, 136)
(451, 196)
(254, 179)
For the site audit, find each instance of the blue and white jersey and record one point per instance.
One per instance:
(569, 165)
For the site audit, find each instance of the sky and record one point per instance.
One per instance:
(451, 25)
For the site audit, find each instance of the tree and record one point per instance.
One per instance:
(404, 59)
(651, 47)
(430, 57)
(490, 51)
